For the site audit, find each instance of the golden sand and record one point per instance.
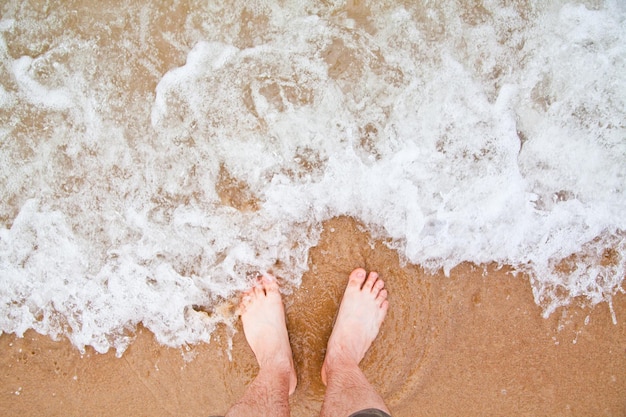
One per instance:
(473, 344)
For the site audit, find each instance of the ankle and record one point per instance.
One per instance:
(339, 361)
(343, 352)
(276, 373)
(278, 365)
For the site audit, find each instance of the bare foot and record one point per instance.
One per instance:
(263, 317)
(362, 311)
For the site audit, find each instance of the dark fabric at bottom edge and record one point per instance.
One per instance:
(370, 412)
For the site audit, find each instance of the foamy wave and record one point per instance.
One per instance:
(458, 134)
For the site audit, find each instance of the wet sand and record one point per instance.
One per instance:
(473, 344)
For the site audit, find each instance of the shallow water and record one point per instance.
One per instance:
(156, 158)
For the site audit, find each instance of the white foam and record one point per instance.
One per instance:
(498, 138)
(6, 99)
(36, 93)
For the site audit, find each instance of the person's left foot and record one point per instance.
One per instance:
(263, 317)
(361, 313)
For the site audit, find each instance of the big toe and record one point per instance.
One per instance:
(269, 283)
(357, 277)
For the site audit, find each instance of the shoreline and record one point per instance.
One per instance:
(474, 343)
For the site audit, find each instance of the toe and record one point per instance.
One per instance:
(247, 295)
(357, 277)
(258, 289)
(370, 281)
(269, 283)
(379, 285)
(246, 299)
(381, 297)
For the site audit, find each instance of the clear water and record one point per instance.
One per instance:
(155, 158)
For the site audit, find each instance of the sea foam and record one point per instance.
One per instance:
(135, 190)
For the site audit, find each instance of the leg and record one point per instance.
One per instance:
(263, 317)
(362, 311)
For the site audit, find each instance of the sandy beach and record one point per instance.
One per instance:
(473, 344)
(155, 157)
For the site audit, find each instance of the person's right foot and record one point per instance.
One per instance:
(362, 311)
(263, 317)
